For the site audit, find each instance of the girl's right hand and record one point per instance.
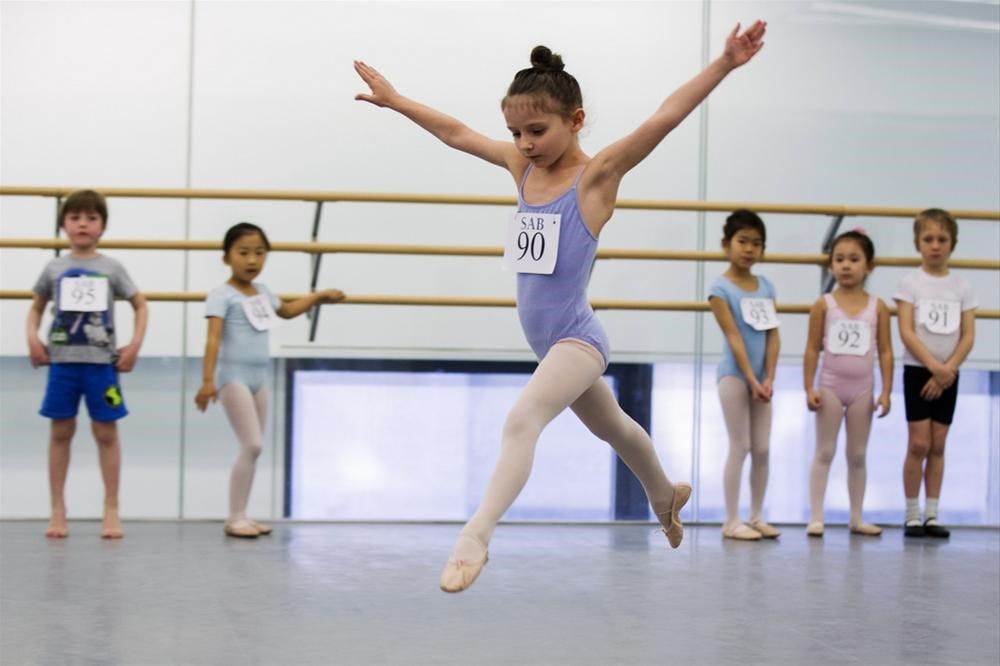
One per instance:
(758, 392)
(206, 393)
(382, 91)
(813, 400)
(38, 353)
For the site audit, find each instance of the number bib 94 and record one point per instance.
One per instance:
(759, 313)
(853, 338)
(941, 317)
(83, 294)
(532, 243)
(259, 312)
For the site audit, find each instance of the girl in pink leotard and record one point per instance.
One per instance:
(848, 326)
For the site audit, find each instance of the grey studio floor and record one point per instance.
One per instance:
(182, 593)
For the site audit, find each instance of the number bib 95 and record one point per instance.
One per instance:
(259, 312)
(759, 313)
(940, 317)
(83, 294)
(532, 243)
(852, 338)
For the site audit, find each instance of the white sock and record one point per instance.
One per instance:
(931, 510)
(913, 509)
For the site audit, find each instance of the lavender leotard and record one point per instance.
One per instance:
(849, 377)
(555, 307)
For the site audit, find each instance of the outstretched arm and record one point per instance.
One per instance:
(450, 131)
(611, 164)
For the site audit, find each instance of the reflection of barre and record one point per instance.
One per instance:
(467, 301)
(473, 251)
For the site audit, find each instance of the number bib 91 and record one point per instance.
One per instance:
(940, 317)
(759, 313)
(852, 338)
(532, 243)
(259, 312)
(83, 294)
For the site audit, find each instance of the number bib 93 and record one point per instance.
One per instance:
(532, 243)
(852, 338)
(259, 312)
(759, 313)
(941, 317)
(83, 294)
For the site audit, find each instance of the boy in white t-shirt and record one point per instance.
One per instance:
(937, 324)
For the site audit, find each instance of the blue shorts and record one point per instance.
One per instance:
(97, 382)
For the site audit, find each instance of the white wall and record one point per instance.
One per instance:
(839, 108)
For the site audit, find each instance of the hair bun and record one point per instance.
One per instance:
(545, 60)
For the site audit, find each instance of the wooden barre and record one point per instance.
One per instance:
(465, 301)
(481, 200)
(468, 251)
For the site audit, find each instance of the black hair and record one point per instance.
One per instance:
(547, 81)
(743, 219)
(238, 231)
(859, 237)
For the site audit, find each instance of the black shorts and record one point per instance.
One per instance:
(917, 409)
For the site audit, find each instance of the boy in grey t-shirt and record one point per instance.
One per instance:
(83, 358)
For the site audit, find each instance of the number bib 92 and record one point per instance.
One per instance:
(940, 317)
(83, 294)
(532, 243)
(848, 337)
(259, 312)
(759, 313)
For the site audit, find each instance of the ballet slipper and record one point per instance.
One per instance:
(261, 528)
(814, 529)
(766, 530)
(740, 532)
(866, 529)
(460, 574)
(671, 520)
(112, 533)
(243, 529)
(56, 532)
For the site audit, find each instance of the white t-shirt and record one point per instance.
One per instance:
(937, 302)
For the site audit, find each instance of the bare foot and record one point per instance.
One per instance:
(57, 528)
(112, 526)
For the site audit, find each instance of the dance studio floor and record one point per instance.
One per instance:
(182, 593)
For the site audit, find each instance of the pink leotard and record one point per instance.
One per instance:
(847, 376)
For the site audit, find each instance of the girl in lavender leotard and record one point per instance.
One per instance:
(565, 198)
(848, 326)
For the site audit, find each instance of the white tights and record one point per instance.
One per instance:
(568, 376)
(748, 423)
(247, 414)
(858, 416)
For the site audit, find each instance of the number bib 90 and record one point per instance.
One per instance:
(759, 313)
(532, 243)
(83, 294)
(940, 317)
(259, 312)
(851, 338)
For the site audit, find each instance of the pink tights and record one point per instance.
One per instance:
(858, 416)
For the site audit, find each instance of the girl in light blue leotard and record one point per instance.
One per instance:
(240, 313)
(561, 192)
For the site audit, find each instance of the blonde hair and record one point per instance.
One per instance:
(936, 216)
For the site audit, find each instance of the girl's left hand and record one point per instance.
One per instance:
(931, 390)
(741, 48)
(883, 404)
(331, 295)
(768, 386)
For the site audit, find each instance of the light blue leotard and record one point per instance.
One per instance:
(244, 356)
(755, 341)
(555, 307)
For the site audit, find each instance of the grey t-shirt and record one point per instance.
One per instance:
(83, 336)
